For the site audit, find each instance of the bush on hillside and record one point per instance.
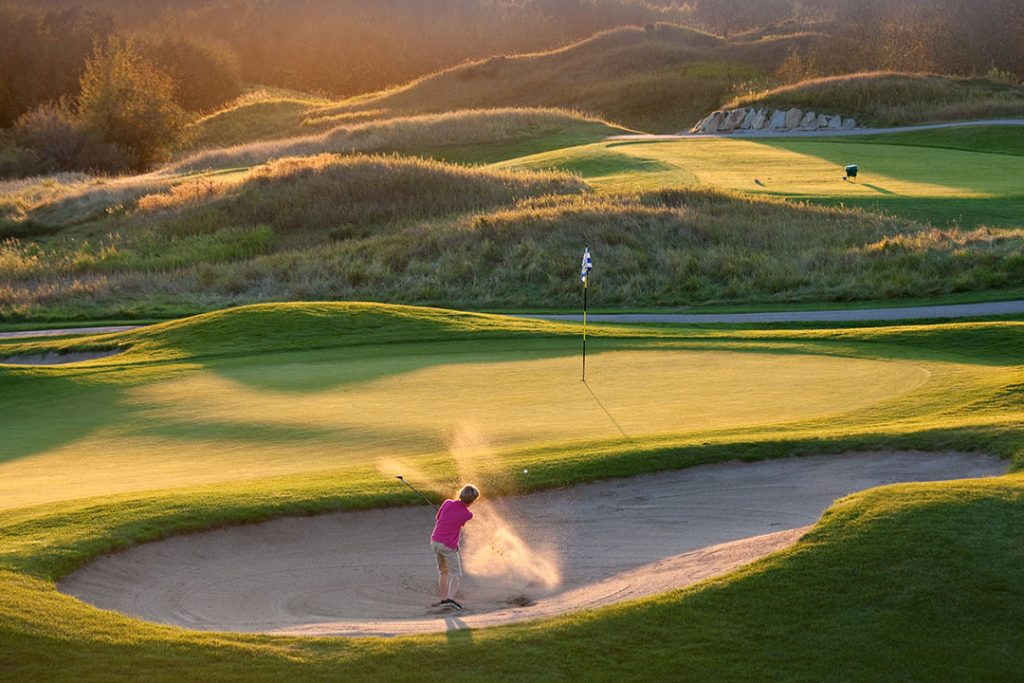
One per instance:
(128, 101)
(58, 141)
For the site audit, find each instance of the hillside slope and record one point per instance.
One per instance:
(656, 78)
(887, 98)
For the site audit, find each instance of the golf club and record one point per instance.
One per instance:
(402, 479)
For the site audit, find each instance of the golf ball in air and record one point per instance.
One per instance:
(526, 471)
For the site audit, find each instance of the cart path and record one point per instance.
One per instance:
(760, 134)
(842, 315)
(67, 331)
(585, 546)
(979, 310)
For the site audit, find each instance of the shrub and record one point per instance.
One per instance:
(128, 101)
(58, 141)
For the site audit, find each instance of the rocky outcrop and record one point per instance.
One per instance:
(754, 119)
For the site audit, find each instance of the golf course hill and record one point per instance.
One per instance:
(656, 78)
(886, 98)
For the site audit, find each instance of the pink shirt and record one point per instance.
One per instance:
(450, 517)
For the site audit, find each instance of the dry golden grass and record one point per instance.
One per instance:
(893, 98)
(422, 133)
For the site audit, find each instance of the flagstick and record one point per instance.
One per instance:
(585, 327)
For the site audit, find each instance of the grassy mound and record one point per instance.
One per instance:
(660, 78)
(332, 190)
(895, 99)
(673, 247)
(350, 193)
(263, 114)
(492, 133)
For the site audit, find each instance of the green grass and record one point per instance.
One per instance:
(895, 99)
(903, 582)
(962, 176)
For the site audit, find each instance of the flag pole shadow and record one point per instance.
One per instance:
(610, 416)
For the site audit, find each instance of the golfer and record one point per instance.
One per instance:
(451, 517)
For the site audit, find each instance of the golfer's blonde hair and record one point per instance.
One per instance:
(469, 493)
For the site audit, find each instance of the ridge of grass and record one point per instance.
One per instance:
(889, 98)
(658, 78)
(323, 234)
(489, 134)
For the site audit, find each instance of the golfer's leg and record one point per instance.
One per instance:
(455, 574)
(442, 574)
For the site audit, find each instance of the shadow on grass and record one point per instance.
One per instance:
(44, 411)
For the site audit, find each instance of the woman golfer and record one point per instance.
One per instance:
(451, 517)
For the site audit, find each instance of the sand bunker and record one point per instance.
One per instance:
(53, 358)
(371, 573)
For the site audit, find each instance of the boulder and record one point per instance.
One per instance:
(778, 120)
(823, 120)
(732, 120)
(759, 122)
(793, 118)
(711, 123)
(748, 120)
(809, 121)
(835, 123)
(849, 124)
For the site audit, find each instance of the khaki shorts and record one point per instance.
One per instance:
(448, 559)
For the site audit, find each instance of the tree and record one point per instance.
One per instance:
(129, 102)
(205, 75)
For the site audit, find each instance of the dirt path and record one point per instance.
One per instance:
(371, 573)
(759, 134)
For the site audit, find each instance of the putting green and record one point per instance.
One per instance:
(261, 416)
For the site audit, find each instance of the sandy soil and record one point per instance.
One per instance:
(52, 358)
(371, 573)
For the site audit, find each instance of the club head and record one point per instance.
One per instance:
(399, 476)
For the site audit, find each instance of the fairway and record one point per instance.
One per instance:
(911, 179)
(257, 416)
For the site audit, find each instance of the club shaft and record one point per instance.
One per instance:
(430, 502)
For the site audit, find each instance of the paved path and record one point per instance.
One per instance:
(845, 315)
(758, 134)
(65, 332)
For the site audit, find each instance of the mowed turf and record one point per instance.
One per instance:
(276, 414)
(906, 582)
(950, 175)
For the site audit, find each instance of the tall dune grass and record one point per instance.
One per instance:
(347, 193)
(891, 98)
(668, 248)
(401, 134)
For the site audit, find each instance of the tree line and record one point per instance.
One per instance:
(192, 55)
